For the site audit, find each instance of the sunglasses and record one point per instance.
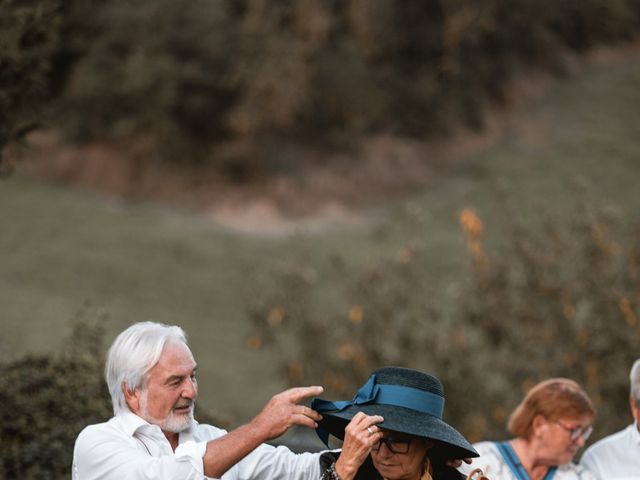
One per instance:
(577, 432)
(394, 444)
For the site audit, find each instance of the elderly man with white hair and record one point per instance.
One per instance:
(617, 456)
(151, 375)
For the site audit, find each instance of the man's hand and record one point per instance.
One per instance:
(283, 412)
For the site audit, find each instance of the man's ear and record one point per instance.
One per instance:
(132, 398)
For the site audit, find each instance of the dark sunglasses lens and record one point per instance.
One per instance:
(399, 446)
(394, 445)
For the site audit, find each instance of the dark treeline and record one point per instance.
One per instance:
(313, 72)
(29, 40)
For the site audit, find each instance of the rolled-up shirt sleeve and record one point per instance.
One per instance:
(278, 463)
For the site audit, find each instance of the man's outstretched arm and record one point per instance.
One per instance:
(281, 413)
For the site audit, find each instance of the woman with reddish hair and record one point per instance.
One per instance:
(549, 426)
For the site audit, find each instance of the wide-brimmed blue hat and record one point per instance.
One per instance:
(410, 401)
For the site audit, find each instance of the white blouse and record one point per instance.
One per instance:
(495, 467)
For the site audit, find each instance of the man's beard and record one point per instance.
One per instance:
(172, 423)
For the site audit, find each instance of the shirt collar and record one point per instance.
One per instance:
(131, 422)
(635, 434)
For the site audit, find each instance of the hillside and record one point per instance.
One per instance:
(69, 250)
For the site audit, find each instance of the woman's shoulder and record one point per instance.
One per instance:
(573, 471)
(487, 448)
(490, 461)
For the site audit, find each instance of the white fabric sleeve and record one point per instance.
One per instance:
(277, 463)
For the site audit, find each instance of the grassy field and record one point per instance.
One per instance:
(67, 251)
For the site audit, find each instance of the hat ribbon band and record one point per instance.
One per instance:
(396, 395)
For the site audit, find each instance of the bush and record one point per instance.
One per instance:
(556, 301)
(48, 399)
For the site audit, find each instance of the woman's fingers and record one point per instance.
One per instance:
(366, 421)
(361, 434)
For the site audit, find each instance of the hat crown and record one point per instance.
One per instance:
(408, 377)
(410, 401)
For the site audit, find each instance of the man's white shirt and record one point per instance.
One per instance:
(128, 447)
(616, 457)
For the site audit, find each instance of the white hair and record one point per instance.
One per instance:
(133, 353)
(634, 377)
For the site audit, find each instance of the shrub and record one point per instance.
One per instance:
(48, 399)
(556, 301)
(559, 301)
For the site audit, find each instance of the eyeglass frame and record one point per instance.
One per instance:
(390, 441)
(577, 432)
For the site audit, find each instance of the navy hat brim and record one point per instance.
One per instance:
(450, 444)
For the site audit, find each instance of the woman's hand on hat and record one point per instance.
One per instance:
(360, 435)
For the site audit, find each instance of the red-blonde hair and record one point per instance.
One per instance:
(553, 399)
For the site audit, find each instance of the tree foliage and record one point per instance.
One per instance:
(557, 301)
(217, 73)
(29, 37)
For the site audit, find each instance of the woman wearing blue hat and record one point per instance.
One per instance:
(392, 430)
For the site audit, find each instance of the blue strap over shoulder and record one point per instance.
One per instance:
(513, 462)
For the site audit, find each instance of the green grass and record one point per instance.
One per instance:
(62, 249)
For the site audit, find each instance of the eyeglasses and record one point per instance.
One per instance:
(577, 432)
(394, 444)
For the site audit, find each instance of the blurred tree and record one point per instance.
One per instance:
(29, 36)
(561, 301)
(153, 66)
(229, 83)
